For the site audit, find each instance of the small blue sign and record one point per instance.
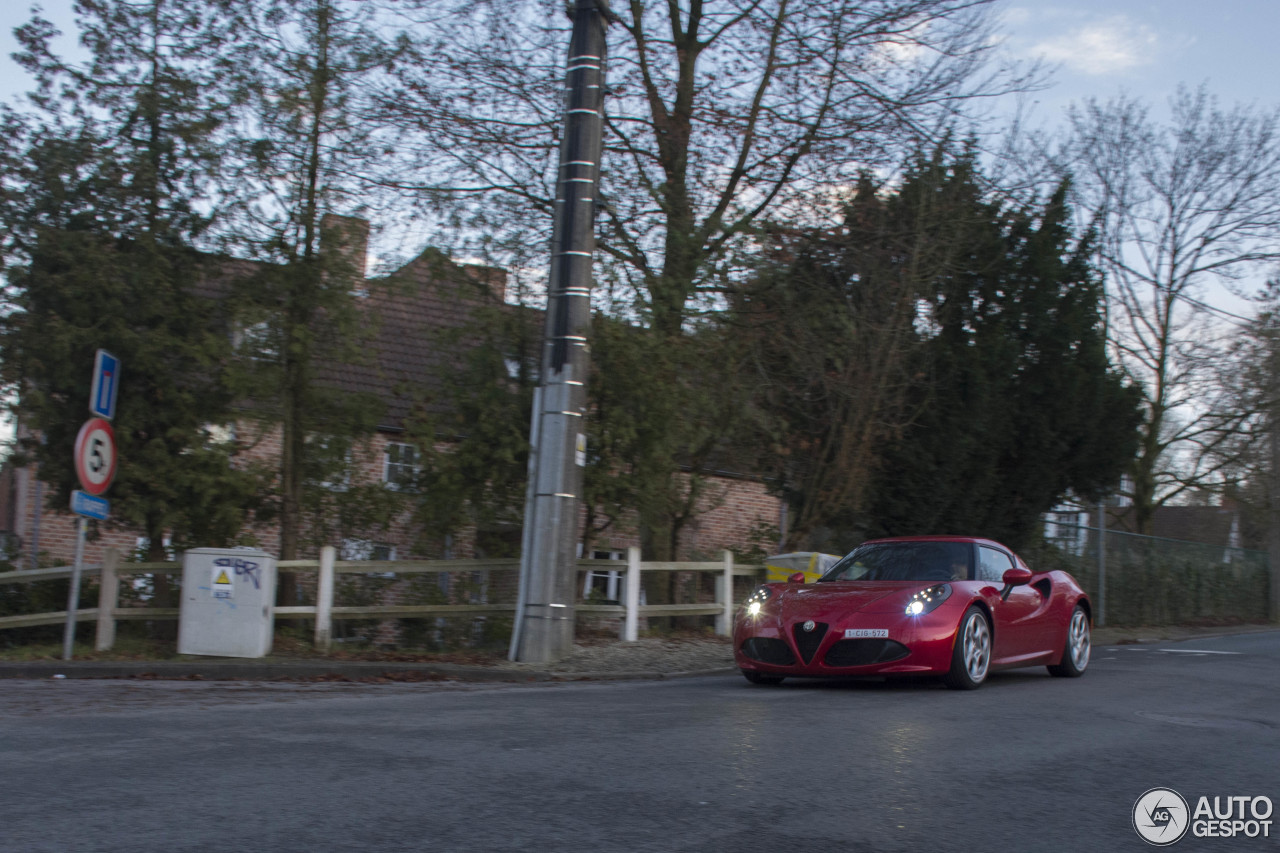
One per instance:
(83, 503)
(106, 385)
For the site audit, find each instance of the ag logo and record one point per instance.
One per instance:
(1161, 816)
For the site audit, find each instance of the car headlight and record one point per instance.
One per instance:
(927, 600)
(757, 599)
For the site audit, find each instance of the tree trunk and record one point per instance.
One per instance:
(300, 315)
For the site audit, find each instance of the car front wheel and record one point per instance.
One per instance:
(972, 653)
(1075, 656)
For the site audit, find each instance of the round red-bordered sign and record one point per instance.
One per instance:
(95, 455)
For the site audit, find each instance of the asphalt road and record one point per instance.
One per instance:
(1026, 763)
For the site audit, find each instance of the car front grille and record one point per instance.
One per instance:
(769, 650)
(864, 652)
(808, 641)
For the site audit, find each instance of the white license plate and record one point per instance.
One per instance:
(861, 633)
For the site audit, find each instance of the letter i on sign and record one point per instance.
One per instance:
(106, 385)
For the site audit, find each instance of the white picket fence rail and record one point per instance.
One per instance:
(325, 611)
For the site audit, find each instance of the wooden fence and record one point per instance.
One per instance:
(326, 610)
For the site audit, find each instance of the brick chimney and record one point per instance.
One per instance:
(348, 236)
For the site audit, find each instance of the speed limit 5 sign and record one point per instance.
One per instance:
(95, 455)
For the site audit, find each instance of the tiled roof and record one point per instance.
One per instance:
(416, 313)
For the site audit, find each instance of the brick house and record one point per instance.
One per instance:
(426, 302)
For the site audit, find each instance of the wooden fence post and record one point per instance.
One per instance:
(324, 599)
(724, 622)
(631, 623)
(108, 596)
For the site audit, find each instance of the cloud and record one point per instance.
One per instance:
(1104, 47)
(1015, 16)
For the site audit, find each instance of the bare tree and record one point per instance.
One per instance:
(1250, 456)
(1180, 206)
(720, 116)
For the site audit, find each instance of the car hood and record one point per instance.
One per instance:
(820, 601)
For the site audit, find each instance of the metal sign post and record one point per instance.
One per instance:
(1101, 618)
(73, 593)
(544, 621)
(95, 462)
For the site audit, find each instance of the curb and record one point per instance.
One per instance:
(216, 669)
(1173, 634)
(366, 671)
(640, 675)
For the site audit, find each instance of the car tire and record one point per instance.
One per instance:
(971, 655)
(760, 678)
(1075, 652)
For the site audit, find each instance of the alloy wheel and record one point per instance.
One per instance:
(977, 647)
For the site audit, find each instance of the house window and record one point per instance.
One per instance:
(257, 341)
(401, 466)
(606, 585)
(364, 550)
(519, 365)
(1068, 530)
(328, 462)
(142, 546)
(220, 433)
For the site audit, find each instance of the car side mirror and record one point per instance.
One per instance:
(1013, 577)
(798, 577)
(1016, 577)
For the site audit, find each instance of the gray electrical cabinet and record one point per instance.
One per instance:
(227, 600)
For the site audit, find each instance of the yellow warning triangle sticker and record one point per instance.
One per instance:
(222, 578)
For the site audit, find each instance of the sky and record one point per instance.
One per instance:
(1147, 49)
(1098, 47)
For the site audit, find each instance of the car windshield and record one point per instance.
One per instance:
(904, 561)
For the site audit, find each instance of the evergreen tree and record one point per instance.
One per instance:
(1020, 405)
(301, 149)
(104, 200)
(935, 364)
(829, 318)
(664, 413)
(471, 429)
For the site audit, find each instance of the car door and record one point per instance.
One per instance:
(1016, 614)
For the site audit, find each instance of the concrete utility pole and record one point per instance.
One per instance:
(543, 629)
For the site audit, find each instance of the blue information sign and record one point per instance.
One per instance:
(106, 385)
(83, 503)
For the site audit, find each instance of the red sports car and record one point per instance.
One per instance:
(954, 606)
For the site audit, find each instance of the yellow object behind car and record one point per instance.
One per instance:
(812, 563)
